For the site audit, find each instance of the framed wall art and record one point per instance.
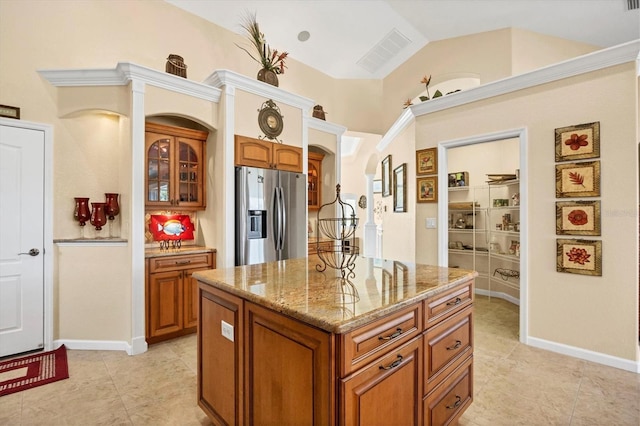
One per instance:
(579, 257)
(386, 176)
(400, 188)
(377, 186)
(578, 179)
(427, 161)
(427, 188)
(578, 218)
(578, 142)
(10, 112)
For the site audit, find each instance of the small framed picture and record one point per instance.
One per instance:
(427, 161)
(386, 176)
(578, 142)
(377, 186)
(578, 218)
(578, 179)
(400, 188)
(427, 188)
(10, 112)
(579, 257)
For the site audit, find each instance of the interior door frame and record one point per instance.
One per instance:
(443, 253)
(47, 243)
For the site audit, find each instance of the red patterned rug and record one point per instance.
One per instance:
(33, 370)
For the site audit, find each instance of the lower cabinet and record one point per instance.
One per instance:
(385, 392)
(260, 367)
(171, 293)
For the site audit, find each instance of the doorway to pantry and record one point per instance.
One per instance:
(483, 213)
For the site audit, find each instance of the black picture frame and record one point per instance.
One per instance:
(386, 176)
(400, 188)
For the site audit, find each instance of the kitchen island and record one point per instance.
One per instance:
(280, 343)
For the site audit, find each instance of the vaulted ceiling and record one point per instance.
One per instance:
(367, 39)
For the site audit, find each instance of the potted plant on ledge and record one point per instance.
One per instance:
(272, 61)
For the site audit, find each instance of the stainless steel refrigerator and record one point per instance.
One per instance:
(271, 215)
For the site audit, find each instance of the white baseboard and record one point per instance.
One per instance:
(497, 294)
(94, 345)
(600, 358)
(138, 346)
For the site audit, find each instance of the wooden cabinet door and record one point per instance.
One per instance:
(253, 152)
(190, 287)
(287, 157)
(220, 357)
(165, 303)
(289, 373)
(386, 392)
(189, 174)
(314, 181)
(158, 180)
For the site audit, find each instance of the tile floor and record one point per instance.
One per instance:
(514, 385)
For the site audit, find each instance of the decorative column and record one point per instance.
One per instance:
(370, 226)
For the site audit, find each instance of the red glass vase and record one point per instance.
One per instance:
(81, 212)
(112, 209)
(98, 216)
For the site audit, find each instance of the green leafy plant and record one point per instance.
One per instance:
(269, 59)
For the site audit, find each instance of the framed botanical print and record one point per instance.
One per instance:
(578, 179)
(579, 257)
(578, 142)
(400, 188)
(427, 188)
(386, 176)
(578, 217)
(427, 161)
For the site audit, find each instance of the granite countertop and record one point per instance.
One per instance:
(156, 252)
(323, 299)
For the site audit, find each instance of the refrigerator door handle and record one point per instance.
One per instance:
(283, 219)
(276, 218)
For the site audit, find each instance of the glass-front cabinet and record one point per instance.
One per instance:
(175, 167)
(314, 183)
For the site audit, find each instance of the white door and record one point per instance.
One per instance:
(21, 240)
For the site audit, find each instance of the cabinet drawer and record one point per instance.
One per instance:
(447, 403)
(443, 305)
(446, 346)
(361, 346)
(179, 262)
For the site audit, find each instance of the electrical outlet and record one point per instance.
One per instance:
(430, 223)
(227, 330)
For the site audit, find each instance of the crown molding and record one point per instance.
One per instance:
(125, 72)
(325, 126)
(616, 55)
(220, 78)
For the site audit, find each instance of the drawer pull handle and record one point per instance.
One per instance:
(392, 336)
(455, 404)
(455, 302)
(183, 262)
(394, 364)
(456, 346)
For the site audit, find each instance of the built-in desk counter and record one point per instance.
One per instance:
(281, 343)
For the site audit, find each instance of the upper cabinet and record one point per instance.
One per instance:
(314, 183)
(175, 159)
(267, 155)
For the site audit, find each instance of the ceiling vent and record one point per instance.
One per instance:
(633, 4)
(382, 52)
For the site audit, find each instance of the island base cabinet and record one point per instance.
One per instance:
(220, 357)
(386, 392)
(288, 375)
(450, 399)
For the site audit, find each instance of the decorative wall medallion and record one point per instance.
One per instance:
(270, 120)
